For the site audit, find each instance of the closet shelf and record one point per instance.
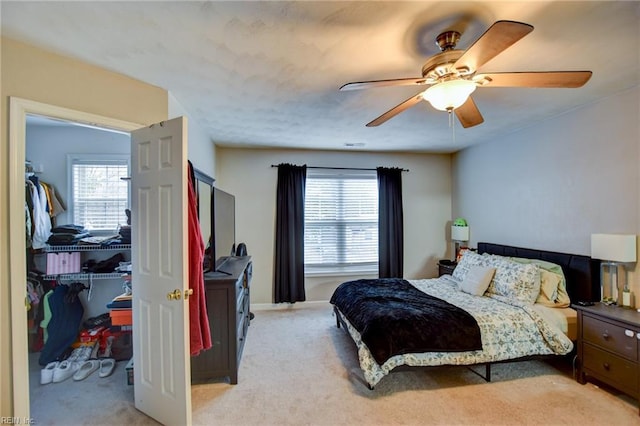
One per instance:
(85, 247)
(85, 276)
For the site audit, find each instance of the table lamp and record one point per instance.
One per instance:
(459, 234)
(614, 250)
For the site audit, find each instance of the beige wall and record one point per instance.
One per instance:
(247, 173)
(551, 186)
(31, 73)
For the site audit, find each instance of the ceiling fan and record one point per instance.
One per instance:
(451, 74)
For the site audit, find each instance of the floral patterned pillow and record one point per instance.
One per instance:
(469, 259)
(514, 280)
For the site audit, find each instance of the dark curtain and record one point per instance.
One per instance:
(289, 256)
(390, 223)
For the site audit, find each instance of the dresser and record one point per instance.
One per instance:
(609, 346)
(227, 296)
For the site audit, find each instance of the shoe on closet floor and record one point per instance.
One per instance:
(106, 366)
(46, 374)
(107, 350)
(86, 369)
(84, 353)
(65, 370)
(77, 354)
(94, 351)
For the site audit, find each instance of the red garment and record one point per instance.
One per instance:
(200, 334)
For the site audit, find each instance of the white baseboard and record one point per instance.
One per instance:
(290, 306)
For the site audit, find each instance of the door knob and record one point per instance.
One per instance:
(174, 295)
(188, 292)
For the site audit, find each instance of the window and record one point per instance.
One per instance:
(341, 223)
(99, 195)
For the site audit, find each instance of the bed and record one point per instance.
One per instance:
(431, 322)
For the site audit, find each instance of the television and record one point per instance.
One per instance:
(224, 226)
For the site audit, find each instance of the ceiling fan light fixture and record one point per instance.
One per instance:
(449, 95)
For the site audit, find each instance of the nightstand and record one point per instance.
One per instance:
(609, 346)
(446, 267)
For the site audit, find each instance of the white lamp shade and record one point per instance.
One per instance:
(613, 247)
(450, 94)
(460, 233)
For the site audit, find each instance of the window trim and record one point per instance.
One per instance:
(328, 270)
(98, 159)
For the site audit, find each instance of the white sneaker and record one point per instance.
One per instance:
(84, 354)
(75, 354)
(86, 369)
(46, 374)
(64, 371)
(106, 367)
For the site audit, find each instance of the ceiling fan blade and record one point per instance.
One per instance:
(396, 110)
(468, 114)
(569, 79)
(495, 40)
(382, 83)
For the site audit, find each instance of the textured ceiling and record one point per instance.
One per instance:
(266, 74)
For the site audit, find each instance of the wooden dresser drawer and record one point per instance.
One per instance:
(228, 301)
(615, 338)
(611, 368)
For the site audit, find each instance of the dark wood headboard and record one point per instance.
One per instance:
(581, 272)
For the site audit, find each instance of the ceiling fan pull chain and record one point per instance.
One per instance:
(452, 124)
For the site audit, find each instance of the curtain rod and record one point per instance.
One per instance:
(339, 168)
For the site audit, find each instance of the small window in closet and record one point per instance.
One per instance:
(100, 194)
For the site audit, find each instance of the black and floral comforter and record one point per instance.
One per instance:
(393, 318)
(509, 329)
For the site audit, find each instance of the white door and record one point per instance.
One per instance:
(161, 363)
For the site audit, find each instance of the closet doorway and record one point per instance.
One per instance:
(19, 109)
(82, 166)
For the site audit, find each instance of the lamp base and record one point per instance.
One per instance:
(609, 286)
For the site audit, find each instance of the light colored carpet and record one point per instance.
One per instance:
(299, 369)
(93, 401)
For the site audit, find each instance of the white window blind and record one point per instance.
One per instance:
(341, 223)
(100, 196)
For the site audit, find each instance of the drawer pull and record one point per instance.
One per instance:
(638, 336)
(605, 335)
(628, 333)
(606, 366)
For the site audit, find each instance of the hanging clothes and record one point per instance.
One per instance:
(64, 324)
(40, 219)
(54, 205)
(200, 334)
(42, 205)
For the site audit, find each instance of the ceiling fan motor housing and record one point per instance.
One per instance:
(440, 67)
(448, 40)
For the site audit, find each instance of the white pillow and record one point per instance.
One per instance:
(477, 280)
(469, 258)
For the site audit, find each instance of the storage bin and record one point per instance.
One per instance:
(121, 317)
(63, 263)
